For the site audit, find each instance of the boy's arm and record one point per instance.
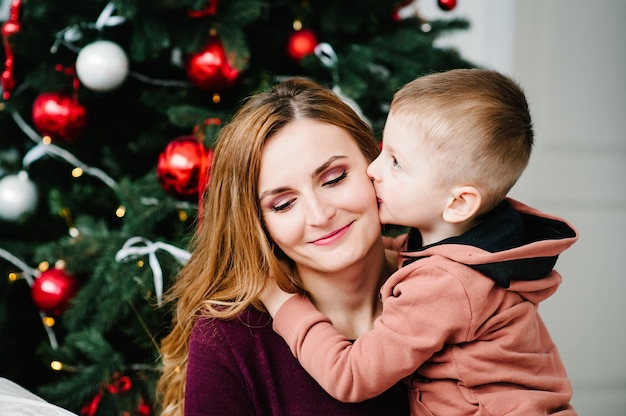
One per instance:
(273, 297)
(297, 315)
(410, 330)
(345, 370)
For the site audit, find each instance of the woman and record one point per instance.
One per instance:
(288, 186)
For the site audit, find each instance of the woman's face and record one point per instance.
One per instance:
(318, 203)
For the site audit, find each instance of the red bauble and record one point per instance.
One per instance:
(10, 28)
(52, 291)
(446, 5)
(144, 408)
(59, 116)
(182, 166)
(210, 68)
(301, 43)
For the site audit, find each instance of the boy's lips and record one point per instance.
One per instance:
(332, 236)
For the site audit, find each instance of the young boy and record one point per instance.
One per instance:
(460, 321)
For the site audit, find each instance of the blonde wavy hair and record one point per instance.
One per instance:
(232, 254)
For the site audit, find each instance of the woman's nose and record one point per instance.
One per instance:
(319, 211)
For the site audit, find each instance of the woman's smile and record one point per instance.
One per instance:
(332, 237)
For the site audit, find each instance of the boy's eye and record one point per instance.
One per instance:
(394, 162)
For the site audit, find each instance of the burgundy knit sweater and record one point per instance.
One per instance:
(242, 367)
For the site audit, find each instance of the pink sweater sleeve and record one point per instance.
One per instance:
(419, 316)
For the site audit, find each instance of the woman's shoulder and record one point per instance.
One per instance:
(208, 329)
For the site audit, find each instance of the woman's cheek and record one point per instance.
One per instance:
(282, 229)
(366, 195)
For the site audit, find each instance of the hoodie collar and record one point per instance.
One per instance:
(502, 229)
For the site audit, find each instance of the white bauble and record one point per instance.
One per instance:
(18, 196)
(102, 66)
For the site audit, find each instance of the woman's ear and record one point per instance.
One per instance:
(462, 205)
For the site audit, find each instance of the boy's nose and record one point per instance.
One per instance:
(372, 169)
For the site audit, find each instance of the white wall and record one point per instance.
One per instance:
(570, 57)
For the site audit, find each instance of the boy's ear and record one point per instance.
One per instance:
(462, 205)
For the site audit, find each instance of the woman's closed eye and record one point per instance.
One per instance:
(332, 178)
(335, 177)
(282, 205)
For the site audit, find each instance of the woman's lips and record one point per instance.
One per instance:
(332, 237)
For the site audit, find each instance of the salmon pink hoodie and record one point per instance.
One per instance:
(460, 324)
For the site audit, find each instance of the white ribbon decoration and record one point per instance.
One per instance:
(129, 251)
(50, 149)
(27, 272)
(326, 54)
(74, 33)
(106, 18)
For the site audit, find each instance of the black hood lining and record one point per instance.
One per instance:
(502, 229)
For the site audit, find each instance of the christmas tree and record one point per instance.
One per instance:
(108, 114)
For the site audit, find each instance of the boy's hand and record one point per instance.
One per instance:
(274, 297)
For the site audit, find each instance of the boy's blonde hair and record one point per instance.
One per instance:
(478, 123)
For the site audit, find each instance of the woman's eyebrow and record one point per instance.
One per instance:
(273, 192)
(326, 164)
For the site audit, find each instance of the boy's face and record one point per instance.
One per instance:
(408, 190)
